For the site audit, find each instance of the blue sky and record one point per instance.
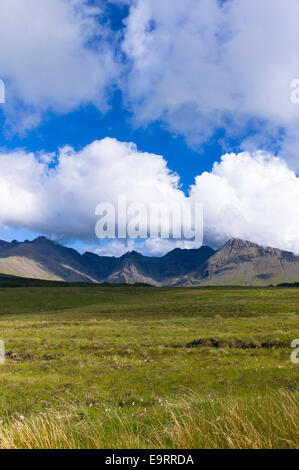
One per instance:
(185, 80)
(59, 130)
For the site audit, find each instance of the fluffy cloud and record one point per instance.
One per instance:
(208, 64)
(149, 247)
(249, 195)
(61, 201)
(54, 55)
(116, 248)
(196, 65)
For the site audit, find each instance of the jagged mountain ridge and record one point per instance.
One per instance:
(4, 246)
(238, 262)
(133, 267)
(45, 259)
(244, 263)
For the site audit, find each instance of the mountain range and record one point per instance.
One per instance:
(238, 262)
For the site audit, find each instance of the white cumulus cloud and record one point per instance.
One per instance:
(253, 196)
(61, 201)
(250, 196)
(54, 56)
(200, 65)
(195, 65)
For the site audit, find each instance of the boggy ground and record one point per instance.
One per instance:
(121, 367)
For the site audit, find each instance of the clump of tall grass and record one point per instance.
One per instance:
(232, 422)
(192, 420)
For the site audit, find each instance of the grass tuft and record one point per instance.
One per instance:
(191, 421)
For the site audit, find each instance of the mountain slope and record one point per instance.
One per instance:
(238, 262)
(44, 259)
(4, 246)
(101, 266)
(163, 271)
(241, 262)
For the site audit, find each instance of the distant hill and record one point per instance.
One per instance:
(133, 267)
(238, 262)
(4, 246)
(244, 263)
(44, 259)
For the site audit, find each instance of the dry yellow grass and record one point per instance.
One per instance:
(191, 421)
(94, 368)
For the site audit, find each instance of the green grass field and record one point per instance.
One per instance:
(148, 367)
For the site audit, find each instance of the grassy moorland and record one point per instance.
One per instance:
(128, 367)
